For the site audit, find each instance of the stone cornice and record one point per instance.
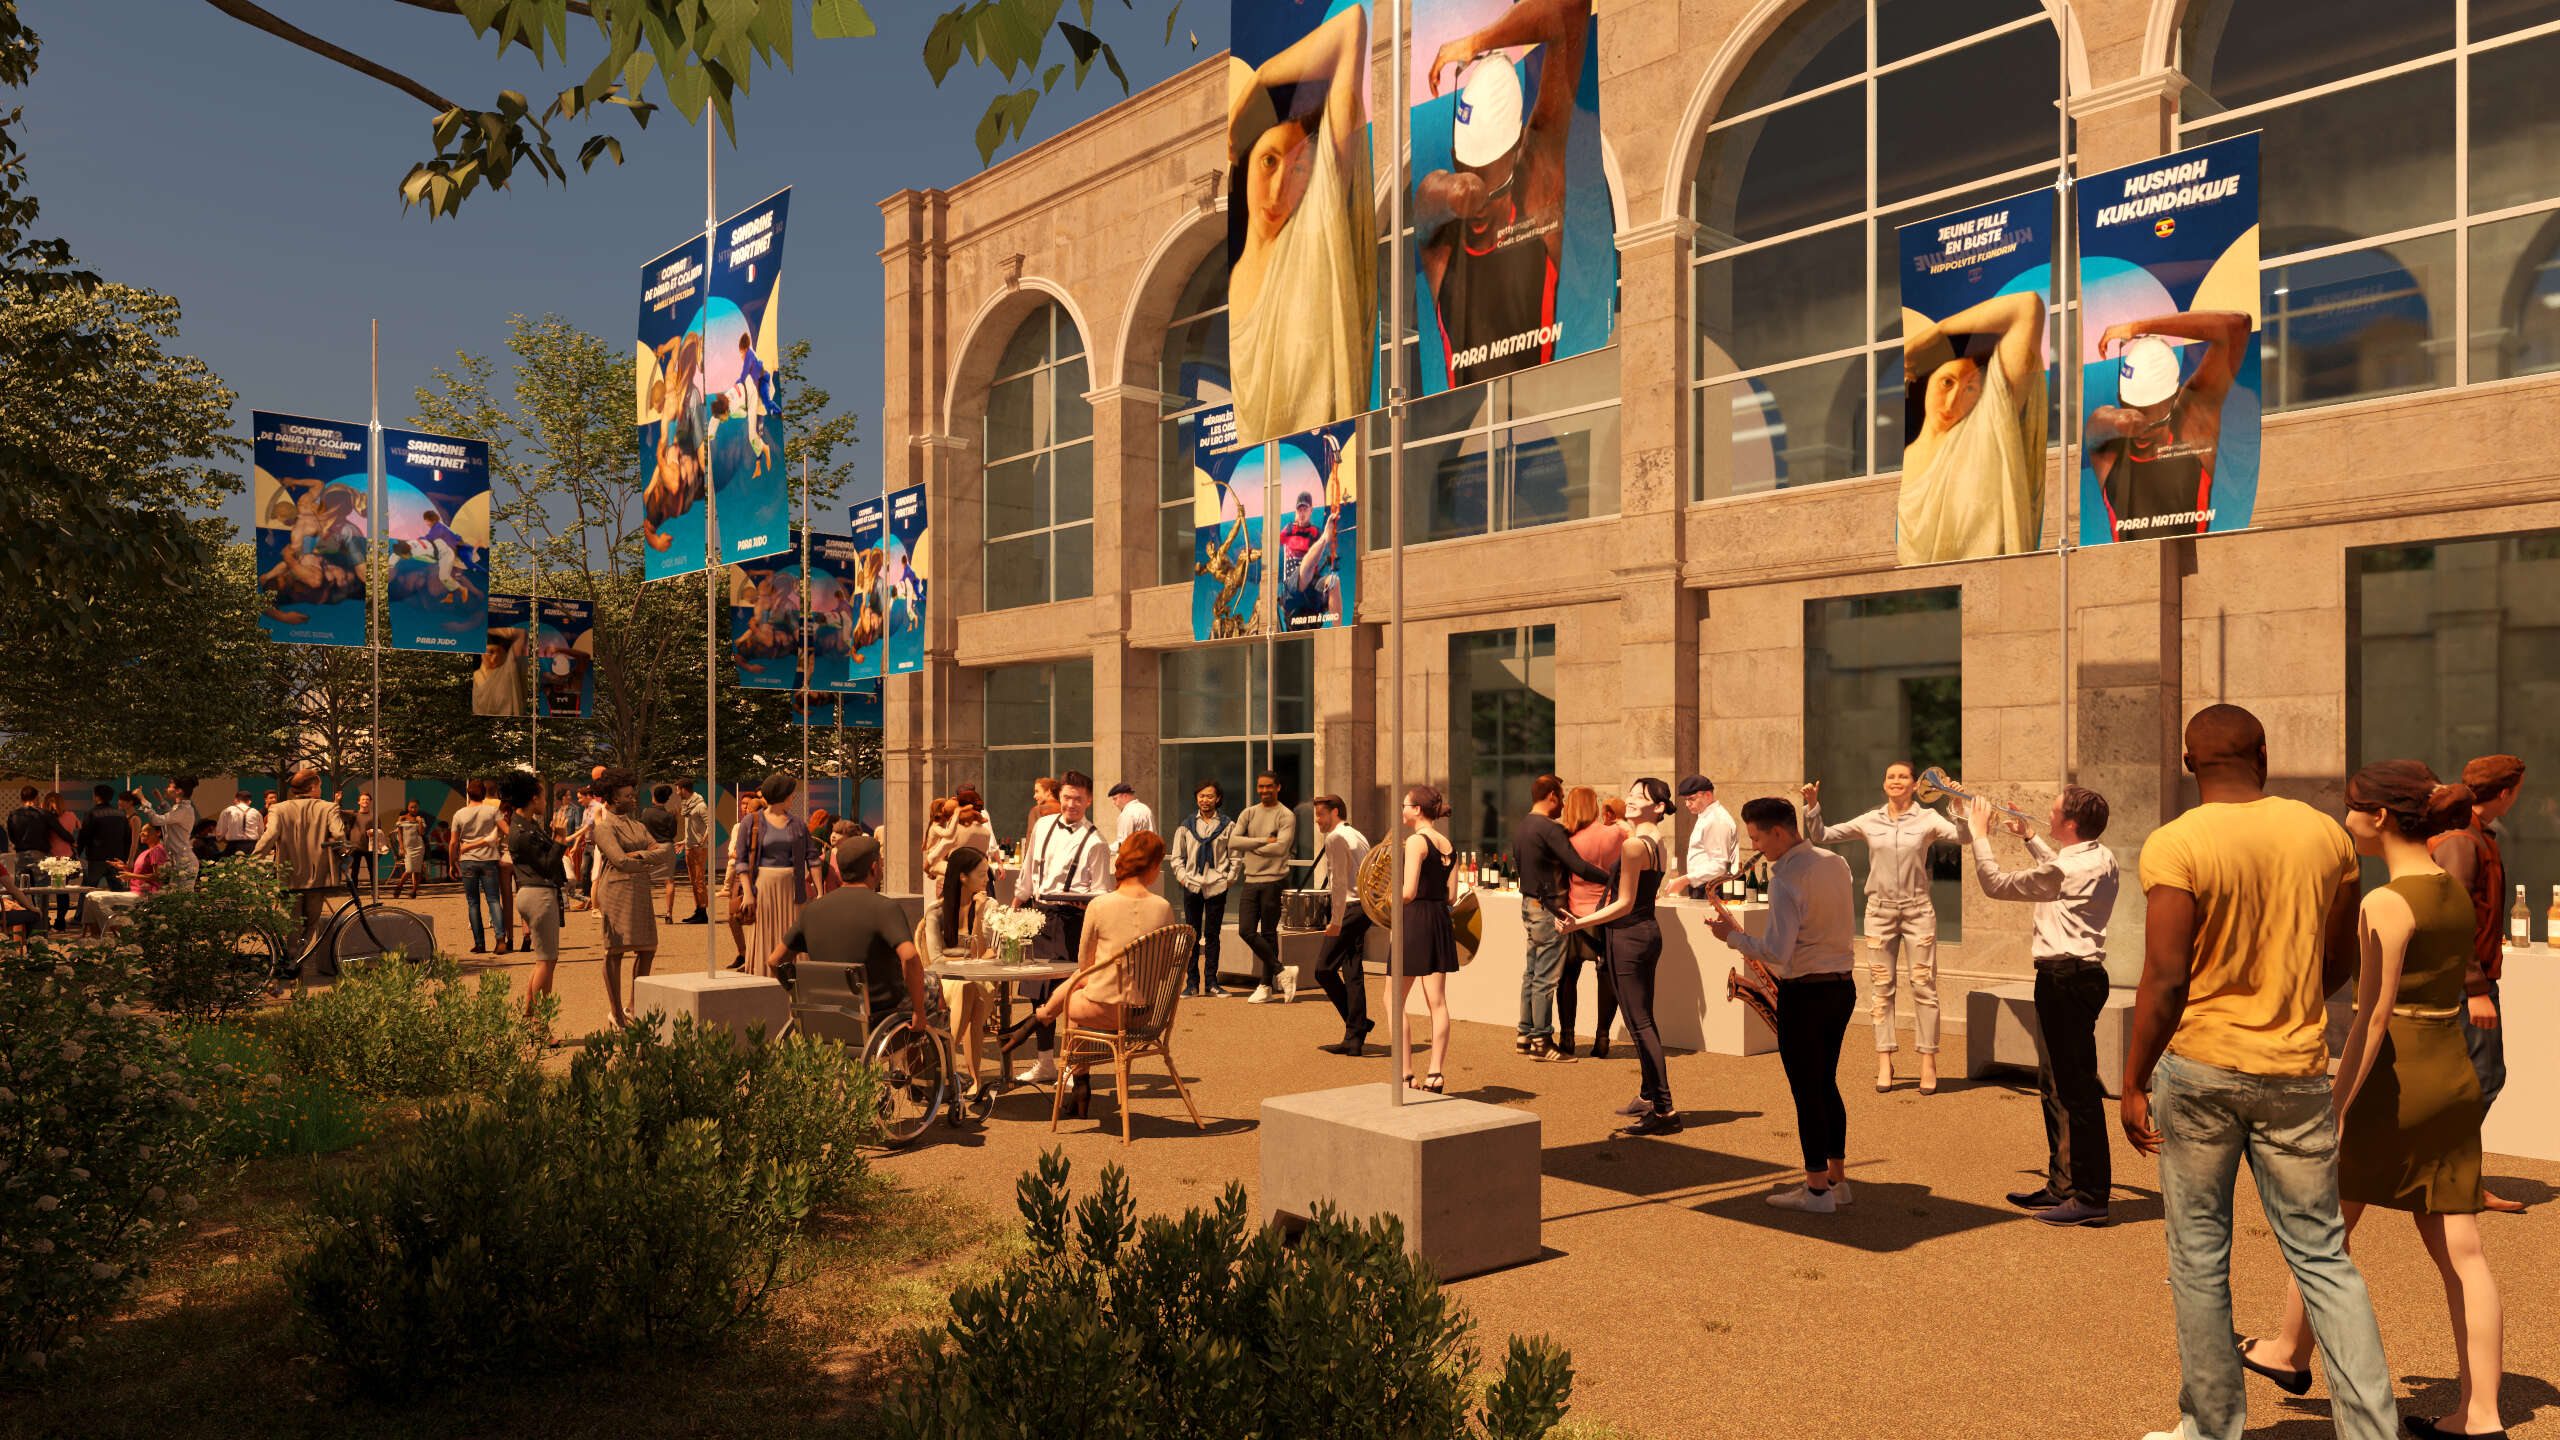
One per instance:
(2152, 86)
(1132, 394)
(1678, 229)
(939, 442)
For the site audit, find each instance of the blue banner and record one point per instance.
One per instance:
(1227, 485)
(869, 660)
(688, 374)
(1976, 389)
(1516, 260)
(2169, 305)
(497, 686)
(564, 660)
(310, 487)
(764, 621)
(905, 573)
(1318, 542)
(435, 519)
(835, 613)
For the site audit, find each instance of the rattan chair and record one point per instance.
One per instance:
(1153, 967)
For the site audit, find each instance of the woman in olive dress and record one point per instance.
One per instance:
(2410, 1136)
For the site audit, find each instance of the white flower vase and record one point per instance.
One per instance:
(1011, 951)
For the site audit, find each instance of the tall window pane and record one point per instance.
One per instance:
(1192, 378)
(1039, 721)
(1502, 730)
(1884, 682)
(1038, 429)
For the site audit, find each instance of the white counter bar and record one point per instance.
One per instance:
(1690, 1008)
(2526, 1119)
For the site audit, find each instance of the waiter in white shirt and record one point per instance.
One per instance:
(1900, 913)
(1134, 814)
(1346, 935)
(1715, 842)
(1065, 863)
(2073, 888)
(239, 826)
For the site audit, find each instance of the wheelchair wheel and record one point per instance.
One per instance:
(915, 1079)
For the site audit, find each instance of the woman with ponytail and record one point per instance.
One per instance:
(1430, 936)
(955, 929)
(2409, 1136)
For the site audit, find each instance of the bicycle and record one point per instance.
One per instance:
(356, 930)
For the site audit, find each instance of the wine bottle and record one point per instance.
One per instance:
(2551, 921)
(2520, 922)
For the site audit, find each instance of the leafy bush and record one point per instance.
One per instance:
(99, 1128)
(651, 1199)
(257, 1111)
(191, 939)
(1195, 1327)
(396, 1029)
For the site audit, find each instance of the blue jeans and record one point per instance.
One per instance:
(2287, 1128)
(480, 878)
(2488, 1052)
(1538, 976)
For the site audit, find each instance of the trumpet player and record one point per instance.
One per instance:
(1900, 914)
(2073, 887)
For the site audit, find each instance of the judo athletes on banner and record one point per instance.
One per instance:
(869, 660)
(310, 488)
(1517, 262)
(1227, 484)
(497, 682)
(1976, 284)
(765, 616)
(1316, 549)
(2169, 295)
(564, 651)
(435, 502)
(835, 614)
(905, 573)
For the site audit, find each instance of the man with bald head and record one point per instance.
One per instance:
(2251, 923)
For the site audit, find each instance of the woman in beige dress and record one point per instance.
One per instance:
(1097, 995)
(625, 882)
(772, 858)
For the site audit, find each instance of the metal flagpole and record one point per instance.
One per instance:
(806, 694)
(533, 654)
(2065, 286)
(710, 510)
(377, 578)
(1395, 560)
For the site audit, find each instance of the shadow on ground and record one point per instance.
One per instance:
(1887, 1216)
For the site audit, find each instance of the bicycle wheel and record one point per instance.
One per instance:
(915, 1079)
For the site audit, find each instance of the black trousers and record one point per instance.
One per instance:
(1062, 938)
(1812, 1016)
(1258, 922)
(1580, 947)
(1206, 915)
(1343, 972)
(2068, 1001)
(1635, 949)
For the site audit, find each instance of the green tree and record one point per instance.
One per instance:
(703, 55)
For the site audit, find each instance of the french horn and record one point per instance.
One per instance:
(1376, 885)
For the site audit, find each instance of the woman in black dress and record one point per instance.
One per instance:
(1430, 941)
(1634, 942)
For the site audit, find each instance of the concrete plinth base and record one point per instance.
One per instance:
(2000, 1029)
(1462, 1175)
(730, 999)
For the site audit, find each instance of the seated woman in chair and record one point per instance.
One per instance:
(964, 894)
(1096, 996)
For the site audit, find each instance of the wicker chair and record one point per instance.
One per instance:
(1153, 967)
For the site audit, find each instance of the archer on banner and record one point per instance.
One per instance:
(564, 650)
(691, 367)
(497, 686)
(1318, 551)
(2169, 369)
(1975, 286)
(1517, 262)
(435, 504)
(1226, 532)
(764, 620)
(869, 660)
(1302, 222)
(905, 575)
(310, 481)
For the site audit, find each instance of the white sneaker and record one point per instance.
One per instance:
(1805, 1198)
(2184, 1431)
(1288, 987)
(1261, 996)
(1840, 1194)
(1042, 1073)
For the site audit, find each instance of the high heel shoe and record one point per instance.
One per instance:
(1011, 1037)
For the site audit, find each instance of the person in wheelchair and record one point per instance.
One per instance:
(856, 937)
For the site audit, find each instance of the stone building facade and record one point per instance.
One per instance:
(1711, 586)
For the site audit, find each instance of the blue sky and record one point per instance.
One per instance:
(181, 151)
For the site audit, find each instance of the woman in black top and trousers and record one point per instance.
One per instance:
(538, 878)
(1634, 943)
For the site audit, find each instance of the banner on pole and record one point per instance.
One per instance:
(764, 621)
(1516, 260)
(435, 518)
(1227, 484)
(869, 660)
(2169, 362)
(905, 576)
(1302, 222)
(687, 365)
(564, 660)
(835, 611)
(1976, 283)
(1318, 550)
(497, 686)
(310, 483)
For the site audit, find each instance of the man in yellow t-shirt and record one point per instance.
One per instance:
(2250, 924)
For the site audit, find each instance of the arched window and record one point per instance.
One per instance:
(1192, 376)
(1855, 117)
(2388, 210)
(1039, 471)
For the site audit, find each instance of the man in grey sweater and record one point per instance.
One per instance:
(1266, 833)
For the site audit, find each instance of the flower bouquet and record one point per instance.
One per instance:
(1014, 929)
(59, 869)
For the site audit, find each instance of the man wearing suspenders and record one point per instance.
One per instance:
(1066, 863)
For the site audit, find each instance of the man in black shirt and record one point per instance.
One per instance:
(106, 841)
(855, 936)
(1545, 853)
(30, 833)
